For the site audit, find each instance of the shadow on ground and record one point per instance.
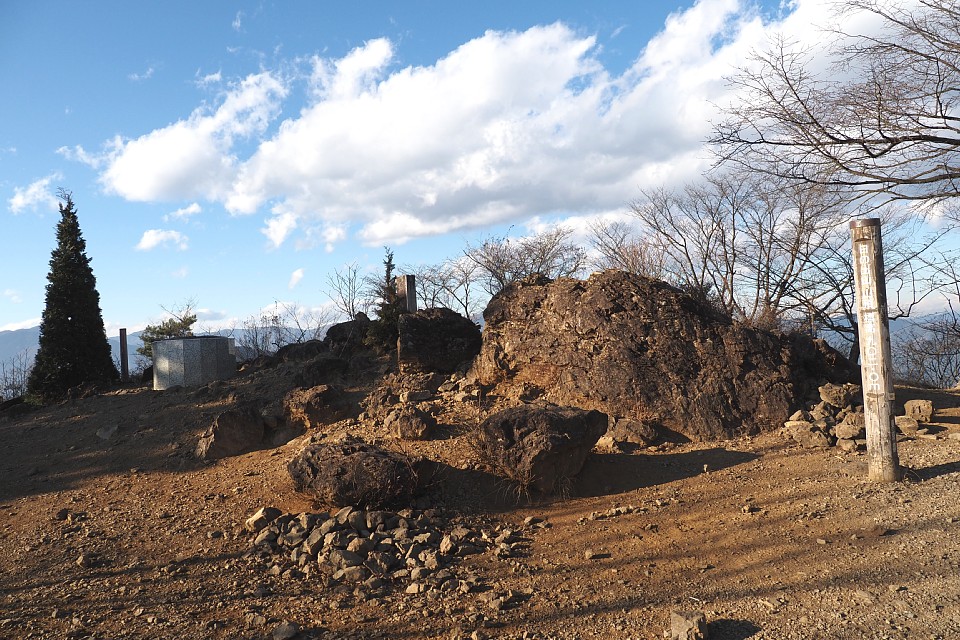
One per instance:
(611, 473)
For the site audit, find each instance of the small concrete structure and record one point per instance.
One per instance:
(192, 361)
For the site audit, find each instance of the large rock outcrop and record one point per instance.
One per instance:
(436, 340)
(638, 348)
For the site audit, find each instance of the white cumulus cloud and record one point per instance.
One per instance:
(184, 213)
(12, 295)
(505, 127)
(38, 194)
(139, 77)
(295, 278)
(153, 238)
(192, 158)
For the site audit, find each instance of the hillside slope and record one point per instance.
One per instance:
(111, 528)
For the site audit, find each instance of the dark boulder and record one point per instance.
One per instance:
(436, 340)
(235, 431)
(541, 447)
(344, 339)
(355, 474)
(324, 369)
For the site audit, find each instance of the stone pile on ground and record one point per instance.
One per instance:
(837, 419)
(417, 552)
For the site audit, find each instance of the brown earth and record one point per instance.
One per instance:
(130, 536)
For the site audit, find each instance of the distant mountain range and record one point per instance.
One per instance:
(13, 343)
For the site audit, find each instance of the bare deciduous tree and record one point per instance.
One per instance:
(14, 374)
(287, 323)
(915, 268)
(776, 253)
(744, 242)
(460, 285)
(505, 260)
(347, 290)
(881, 121)
(617, 245)
(451, 284)
(929, 352)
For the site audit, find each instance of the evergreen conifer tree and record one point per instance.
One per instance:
(384, 331)
(73, 343)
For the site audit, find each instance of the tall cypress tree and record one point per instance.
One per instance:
(73, 343)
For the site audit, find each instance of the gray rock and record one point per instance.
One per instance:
(341, 559)
(907, 425)
(848, 446)
(616, 342)
(314, 542)
(380, 562)
(416, 395)
(851, 428)
(839, 395)
(919, 410)
(267, 535)
(635, 431)
(436, 340)
(808, 435)
(357, 520)
(688, 625)
(318, 406)
(361, 546)
(352, 574)
(410, 423)
(286, 631)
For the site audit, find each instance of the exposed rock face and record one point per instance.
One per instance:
(353, 474)
(541, 446)
(233, 432)
(345, 338)
(317, 406)
(436, 340)
(633, 348)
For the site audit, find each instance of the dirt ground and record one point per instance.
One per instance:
(126, 534)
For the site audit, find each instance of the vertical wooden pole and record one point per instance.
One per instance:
(124, 367)
(875, 361)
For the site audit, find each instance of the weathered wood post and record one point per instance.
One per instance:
(875, 361)
(124, 367)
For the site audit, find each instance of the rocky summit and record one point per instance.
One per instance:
(638, 348)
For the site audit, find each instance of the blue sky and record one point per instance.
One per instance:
(238, 153)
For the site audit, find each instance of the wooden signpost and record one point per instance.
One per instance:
(124, 366)
(875, 361)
